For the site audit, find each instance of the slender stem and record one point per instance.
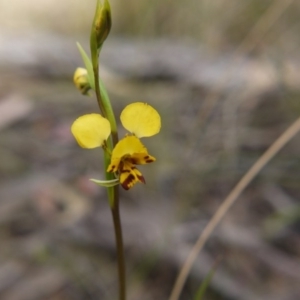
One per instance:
(113, 192)
(103, 99)
(119, 243)
(109, 112)
(283, 139)
(97, 86)
(113, 195)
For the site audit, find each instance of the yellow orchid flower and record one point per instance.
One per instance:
(127, 153)
(141, 120)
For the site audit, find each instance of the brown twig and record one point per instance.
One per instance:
(229, 201)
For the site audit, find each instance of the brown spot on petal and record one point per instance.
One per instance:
(124, 186)
(150, 160)
(141, 179)
(133, 161)
(127, 182)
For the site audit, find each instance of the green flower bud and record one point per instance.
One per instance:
(102, 23)
(81, 80)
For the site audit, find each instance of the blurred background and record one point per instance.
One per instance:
(225, 77)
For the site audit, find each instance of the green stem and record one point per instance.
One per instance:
(97, 90)
(113, 192)
(109, 112)
(103, 99)
(113, 195)
(120, 251)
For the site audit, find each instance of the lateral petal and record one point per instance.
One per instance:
(90, 131)
(141, 119)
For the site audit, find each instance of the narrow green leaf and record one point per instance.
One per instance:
(106, 183)
(88, 65)
(205, 283)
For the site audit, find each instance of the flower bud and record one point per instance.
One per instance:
(102, 23)
(81, 80)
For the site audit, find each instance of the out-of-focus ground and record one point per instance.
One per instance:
(224, 77)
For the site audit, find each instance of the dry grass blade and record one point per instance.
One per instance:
(229, 201)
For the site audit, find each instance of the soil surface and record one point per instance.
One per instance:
(219, 114)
